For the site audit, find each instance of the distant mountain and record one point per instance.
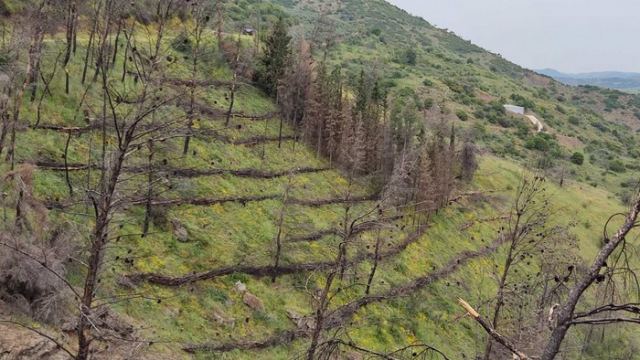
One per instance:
(607, 79)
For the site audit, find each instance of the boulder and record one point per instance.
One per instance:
(252, 301)
(179, 231)
(240, 287)
(222, 319)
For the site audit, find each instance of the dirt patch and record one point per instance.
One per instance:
(485, 96)
(569, 142)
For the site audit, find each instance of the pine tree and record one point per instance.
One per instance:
(275, 59)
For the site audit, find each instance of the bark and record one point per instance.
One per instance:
(492, 332)
(281, 217)
(148, 205)
(374, 267)
(567, 309)
(92, 35)
(70, 38)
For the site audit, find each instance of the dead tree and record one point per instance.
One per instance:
(322, 302)
(219, 22)
(200, 18)
(164, 12)
(129, 136)
(70, 36)
(95, 18)
(150, 180)
(564, 316)
(36, 34)
(524, 233)
(281, 218)
(235, 65)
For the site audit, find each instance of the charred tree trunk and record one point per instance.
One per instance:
(92, 36)
(70, 38)
(376, 259)
(281, 217)
(147, 213)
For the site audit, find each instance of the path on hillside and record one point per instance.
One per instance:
(535, 122)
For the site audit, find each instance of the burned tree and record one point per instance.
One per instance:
(566, 314)
(195, 36)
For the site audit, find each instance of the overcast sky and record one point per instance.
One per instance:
(567, 35)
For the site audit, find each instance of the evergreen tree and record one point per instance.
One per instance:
(275, 58)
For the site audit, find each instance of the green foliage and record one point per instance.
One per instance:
(409, 57)
(182, 43)
(577, 158)
(492, 112)
(574, 120)
(523, 101)
(543, 142)
(274, 60)
(462, 115)
(617, 166)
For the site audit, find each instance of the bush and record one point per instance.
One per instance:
(577, 158)
(410, 57)
(182, 43)
(574, 120)
(462, 115)
(428, 103)
(522, 101)
(617, 166)
(542, 142)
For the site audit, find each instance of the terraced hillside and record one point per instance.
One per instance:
(232, 245)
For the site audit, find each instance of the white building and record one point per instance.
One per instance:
(514, 109)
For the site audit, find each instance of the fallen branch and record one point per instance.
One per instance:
(208, 110)
(60, 205)
(186, 172)
(492, 332)
(268, 270)
(344, 313)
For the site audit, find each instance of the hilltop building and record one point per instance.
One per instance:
(514, 109)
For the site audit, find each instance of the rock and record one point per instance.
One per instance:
(252, 301)
(221, 318)
(240, 287)
(179, 231)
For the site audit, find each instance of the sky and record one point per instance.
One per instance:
(567, 35)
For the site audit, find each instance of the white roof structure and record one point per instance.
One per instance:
(514, 109)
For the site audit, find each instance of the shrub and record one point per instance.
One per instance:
(617, 166)
(542, 142)
(574, 120)
(410, 57)
(577, 158)
(182, 43)
(522, 101)
(428, 103)
(462, 115)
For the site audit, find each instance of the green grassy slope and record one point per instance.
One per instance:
(242, 232)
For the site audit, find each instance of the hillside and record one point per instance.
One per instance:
(623, 81)
(233, 243)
